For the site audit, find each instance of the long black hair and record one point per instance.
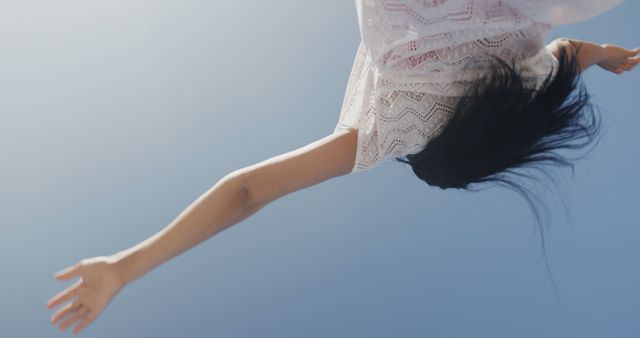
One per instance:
(501, 124)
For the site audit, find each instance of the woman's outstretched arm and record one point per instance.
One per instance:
(610, 57)
(238, 196)
(232, 199)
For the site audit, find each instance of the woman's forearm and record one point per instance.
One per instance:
(220, 207)
(589, 53)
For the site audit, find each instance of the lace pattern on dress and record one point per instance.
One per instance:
(417, 57)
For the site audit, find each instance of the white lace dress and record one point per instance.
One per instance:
(416, 57)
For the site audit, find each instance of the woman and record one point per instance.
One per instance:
(463, 91)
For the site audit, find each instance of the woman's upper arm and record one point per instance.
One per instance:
(328, 157)
(554, 47)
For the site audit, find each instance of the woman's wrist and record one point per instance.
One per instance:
(221, 206)
(606, 52)
(123, 262)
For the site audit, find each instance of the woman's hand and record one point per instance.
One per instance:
(100, 280)
(619, 59)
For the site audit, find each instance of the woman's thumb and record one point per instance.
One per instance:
(68, 272)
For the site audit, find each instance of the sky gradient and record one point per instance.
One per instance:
(116, 115)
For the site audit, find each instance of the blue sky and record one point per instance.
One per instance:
(117, 115)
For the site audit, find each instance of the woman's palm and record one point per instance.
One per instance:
(99, 282)
(619, 59)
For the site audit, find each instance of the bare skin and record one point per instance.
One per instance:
(609, 57)
(236, 197)
(232, 199)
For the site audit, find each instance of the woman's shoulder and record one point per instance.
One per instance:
(555, 46)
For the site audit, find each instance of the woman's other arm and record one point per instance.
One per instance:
(232, 199)
(238, 196)
(610, 57)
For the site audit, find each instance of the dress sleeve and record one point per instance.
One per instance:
(355, 107)
(390, 123)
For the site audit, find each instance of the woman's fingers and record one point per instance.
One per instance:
(631, 62)
(68, 272)
(87, 320)
(72, 306)
(630, 52)
(79, 315)
(64, 295)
